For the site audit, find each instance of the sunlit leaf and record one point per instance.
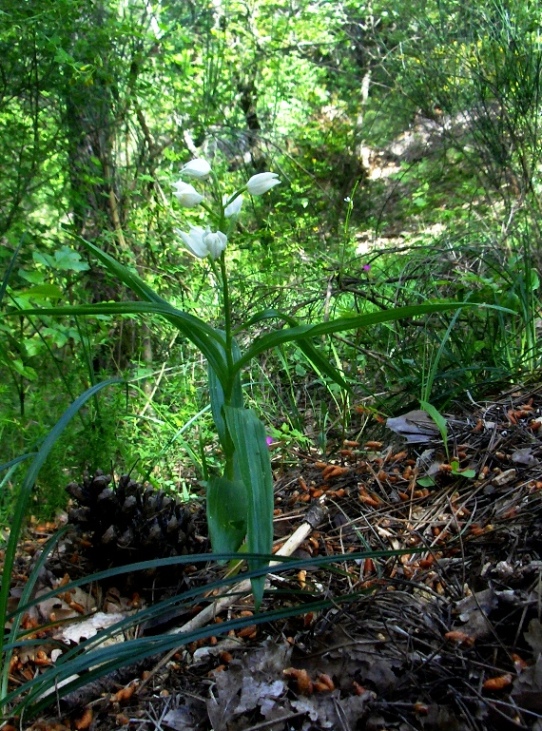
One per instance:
(42, 292)
(23, 370)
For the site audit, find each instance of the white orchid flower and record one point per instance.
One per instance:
(215, 242)
(197, 168)
(186, 194)
(202, 242)
(193, 240)
(262, 182)
(233, 208)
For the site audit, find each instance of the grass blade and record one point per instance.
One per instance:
(25, 492)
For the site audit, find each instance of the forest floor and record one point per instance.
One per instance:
(440, 628)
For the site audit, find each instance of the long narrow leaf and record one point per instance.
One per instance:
(342, 324)
(16, 460)
(25, 596)
(104, 659)
(101, 660)
(205, 338)
(218, 396)
(253, 468)
(195, 329)
(439, 420)
(313, 355)
(428, 385)
(287, 563)
(126, 275)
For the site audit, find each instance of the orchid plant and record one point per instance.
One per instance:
(240, 499)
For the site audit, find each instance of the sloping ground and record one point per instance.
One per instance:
(445, 636)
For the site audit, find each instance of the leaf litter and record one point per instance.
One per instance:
(446, 636)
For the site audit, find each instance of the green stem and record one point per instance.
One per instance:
(226, 303)
(221, 278)
(209, 210)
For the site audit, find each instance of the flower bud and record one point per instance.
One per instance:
(233, 208)
(187, 195)
(262, 182)
(197, 168)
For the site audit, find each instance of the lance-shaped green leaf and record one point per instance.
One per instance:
(253, 469)
(16, 460)
(208, 340)
(126, 275)
(343, 324)
(218, 394)
(313, 355)
(204, 337)
(439, 420)
(226, 514)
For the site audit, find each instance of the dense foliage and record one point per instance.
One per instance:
(406, 138)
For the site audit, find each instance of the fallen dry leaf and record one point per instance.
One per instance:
(83, 629)
(415, 426)
(498, 683)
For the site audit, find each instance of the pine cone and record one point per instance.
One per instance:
(130, 522)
